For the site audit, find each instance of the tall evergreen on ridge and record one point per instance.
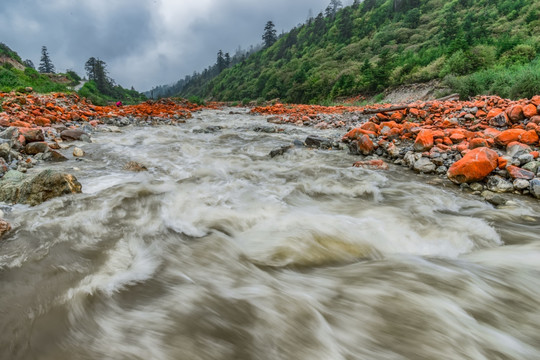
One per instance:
(46, 65)
(269, 35)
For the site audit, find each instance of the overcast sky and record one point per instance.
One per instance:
(143, 42)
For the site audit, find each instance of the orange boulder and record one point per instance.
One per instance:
(529, 111)
(475, 166)
(424, 140)
(508, 136)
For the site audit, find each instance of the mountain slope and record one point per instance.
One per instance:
(474, 46)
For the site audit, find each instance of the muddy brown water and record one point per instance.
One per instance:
(221, 252)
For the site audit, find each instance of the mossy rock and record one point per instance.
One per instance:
(17, 188)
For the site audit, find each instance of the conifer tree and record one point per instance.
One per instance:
(269, 35)
(46, 65)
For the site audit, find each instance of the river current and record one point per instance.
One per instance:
(219, 251)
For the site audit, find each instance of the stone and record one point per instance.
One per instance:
(477, 187)
(530, 110)
(318, 142)
(15, 187)
(34, 148)
(532, 166)
(534, 188)
(521, 184)
(280, 151)
(516, 149)
(54, 156)
(363, 145)
(500, 120)
(376, 164)
(424, 165)
(525, 159)
(135, 166)
(78, 152)
(498, 184)
(519, 173)
(71, 134)
(33, 135)
(493, 198)
(515, 113)
(424, 141)
(508, 136)
(4, 227)
(474, 166)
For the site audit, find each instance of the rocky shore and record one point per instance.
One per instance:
(487, 146)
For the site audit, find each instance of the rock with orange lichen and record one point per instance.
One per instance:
(474, 166)
(376, 164)
(424, 140)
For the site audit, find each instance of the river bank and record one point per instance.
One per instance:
(487, 146)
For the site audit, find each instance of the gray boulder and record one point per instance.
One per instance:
(16, 187)
(535, 188)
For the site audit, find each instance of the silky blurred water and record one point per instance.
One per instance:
(221, 252)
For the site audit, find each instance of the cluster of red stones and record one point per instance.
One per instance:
(33, 110)
(482, 135)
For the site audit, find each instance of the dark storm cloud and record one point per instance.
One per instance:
(143, 42)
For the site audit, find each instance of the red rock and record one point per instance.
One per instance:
(457, 138)
(4, 227)
(519, 173)
(480, 113)
(536, 100)
(372, 164)
(474, 166)
(477, 142)
(515, 113)
(369, 126)
(32, 135)
(502, 162)
(529, 111)
(535, 154)
(508, 136)
(365, 145)
(491, 132)
(529, 137)
(493, 112)
(424, 140)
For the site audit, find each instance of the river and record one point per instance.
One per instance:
(221, 252)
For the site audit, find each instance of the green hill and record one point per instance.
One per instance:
(16, 75)
(474, 47)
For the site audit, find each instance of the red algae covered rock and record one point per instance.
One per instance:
(424, 140)
(508, 136)
(519, 173)
(530, 110)
(372, 164)
(475, 166)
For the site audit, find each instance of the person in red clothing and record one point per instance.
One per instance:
(118, 103)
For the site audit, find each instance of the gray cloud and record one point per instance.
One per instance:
(144, 42)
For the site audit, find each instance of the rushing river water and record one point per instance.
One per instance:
(221, 252)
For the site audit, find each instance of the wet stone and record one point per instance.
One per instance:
(499, 185)
(318, 142)
(532, 166)
(521, 184)
(535, 188)
(493, 198)
(280, 151)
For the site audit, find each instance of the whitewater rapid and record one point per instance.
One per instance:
(219, 251)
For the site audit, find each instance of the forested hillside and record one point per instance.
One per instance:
(474, 47)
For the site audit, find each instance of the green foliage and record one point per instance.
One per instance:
(517, 81)
(6, 51)
(196, 100)
(13, 79)
(376, 44)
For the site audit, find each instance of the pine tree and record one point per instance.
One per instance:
(45, 66)
(220, 63)
(269, 35)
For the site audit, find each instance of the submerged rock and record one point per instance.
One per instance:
(4, 227)
(135, 166)
(16, 187)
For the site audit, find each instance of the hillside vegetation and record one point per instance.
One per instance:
(16, 76)
(474, 47)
